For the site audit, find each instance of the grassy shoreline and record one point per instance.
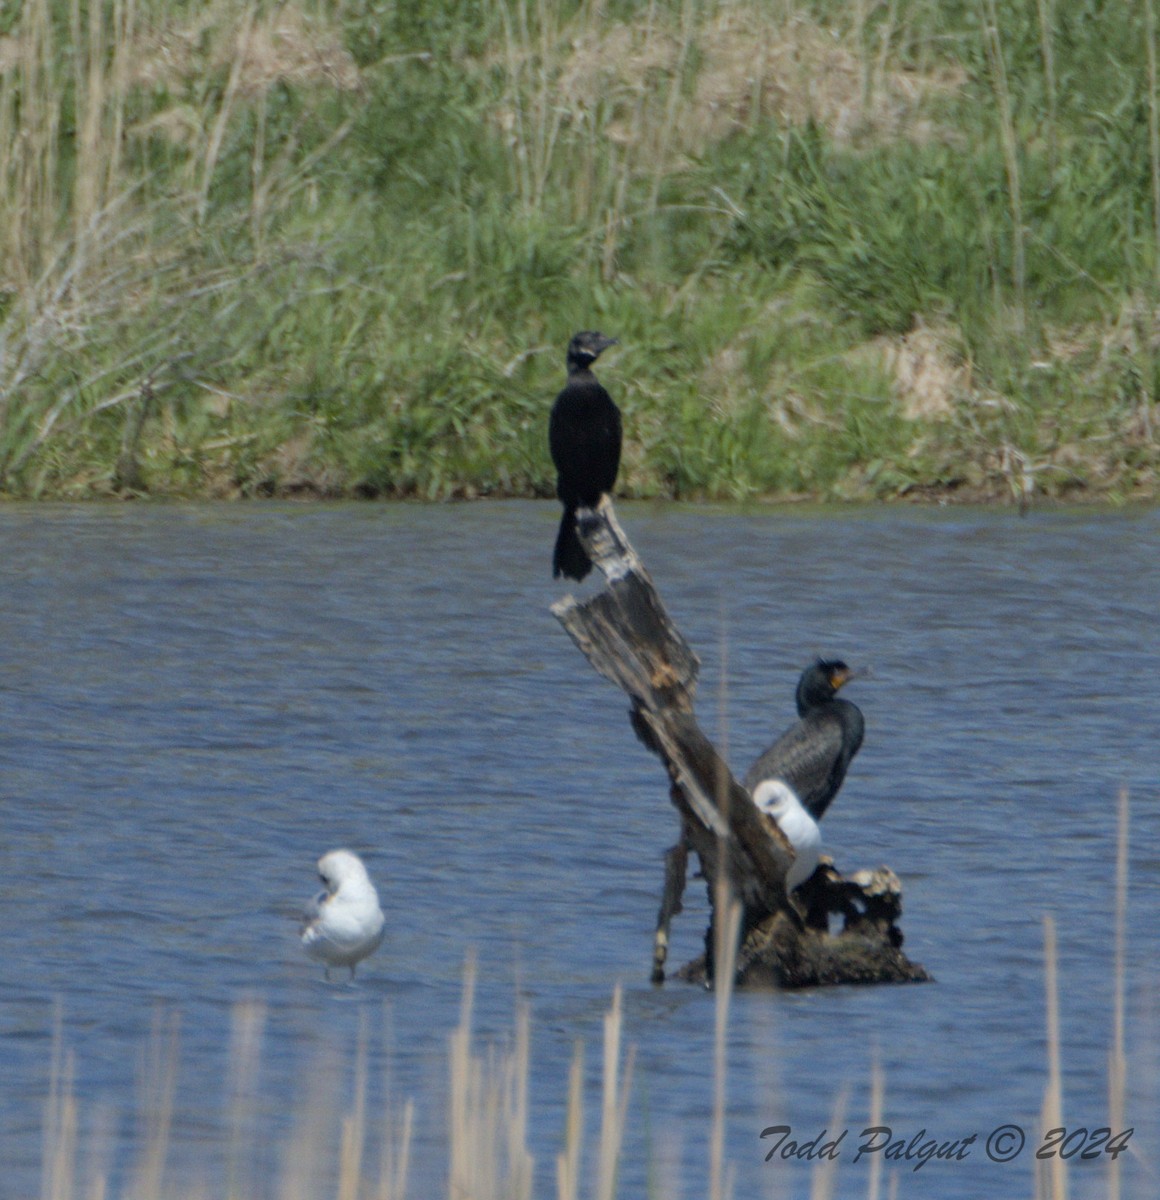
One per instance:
(871, 252)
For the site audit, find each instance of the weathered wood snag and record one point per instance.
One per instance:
(628, 637)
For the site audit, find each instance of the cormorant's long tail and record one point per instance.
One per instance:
(569, 558)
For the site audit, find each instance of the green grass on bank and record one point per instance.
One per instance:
(851, 251)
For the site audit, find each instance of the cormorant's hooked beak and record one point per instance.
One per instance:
(587, 346)
(843, 676)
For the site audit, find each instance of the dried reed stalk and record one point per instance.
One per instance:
(1052, 1178)
(994, 47)
(727, 932)
(1117, 1062)
(568, 1160)
(614, 1100)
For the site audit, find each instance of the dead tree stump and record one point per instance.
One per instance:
(626, 634)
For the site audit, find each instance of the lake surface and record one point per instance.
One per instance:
(198, 701)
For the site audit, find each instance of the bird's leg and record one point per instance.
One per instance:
(676, 872)
(326, 973)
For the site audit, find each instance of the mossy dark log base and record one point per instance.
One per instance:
(627, 635)
(778, 952)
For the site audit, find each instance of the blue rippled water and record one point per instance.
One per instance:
(197, 701)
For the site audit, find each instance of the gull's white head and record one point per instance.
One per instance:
(339, 869)
(345, 923)
(776, 799)
(779, 801)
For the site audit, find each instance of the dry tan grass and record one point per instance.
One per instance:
(929, 369)
(757, 64)
(725, 381)
(9, 53)
(754, 61)
(283, 45)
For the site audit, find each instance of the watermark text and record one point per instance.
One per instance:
(1003, 1144)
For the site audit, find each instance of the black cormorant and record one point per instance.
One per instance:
(584, 437)
(813, 755)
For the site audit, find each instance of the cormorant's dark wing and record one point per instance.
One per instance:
(805, 757)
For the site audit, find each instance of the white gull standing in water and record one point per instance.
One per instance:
(779, 801)
(344, 923)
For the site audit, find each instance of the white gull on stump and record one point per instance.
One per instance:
(779, 801)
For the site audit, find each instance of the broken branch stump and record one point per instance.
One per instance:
(629, 638)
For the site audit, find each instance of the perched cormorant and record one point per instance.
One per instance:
(778, 800)
(584, 437)
(344, 923)
(813, 755)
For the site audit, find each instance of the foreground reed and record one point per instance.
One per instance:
(488, 1110)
